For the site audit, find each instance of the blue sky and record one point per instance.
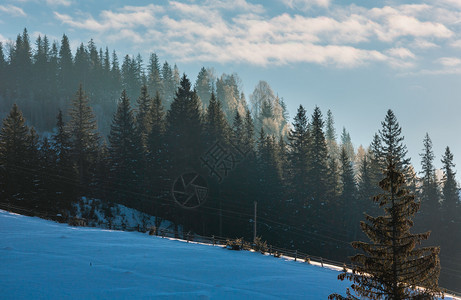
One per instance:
(357, 58)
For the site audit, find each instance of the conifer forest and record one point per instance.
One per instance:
(132, 130)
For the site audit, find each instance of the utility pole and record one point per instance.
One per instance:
(220, 217)
(254, 224)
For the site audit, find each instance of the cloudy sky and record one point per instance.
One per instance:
(357, 58)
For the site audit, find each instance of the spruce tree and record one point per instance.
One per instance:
(131, 82)
(169, 84)
(249, 131)
(203, 85)
(65, 67)
(450, 190)
(429, 190)
(347, 206)
(391, 150)
(84, 137)
(333, 179)
(65, 173)
(298, 144)
(318, 160)
(46, 172)
(3, 71)
(154, 77)
(269, 182)
(184, 128)
(216, 128)
(21, 65)
(115, 75)
(450, 233)
(142, 117)
(333, 157)
(391, 266)
(346, 142)
(157, 164)
(14, 146)
(123, 152)
(82, 65)
(367, 186)
(31, 176)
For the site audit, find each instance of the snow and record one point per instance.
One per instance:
(40, 259)
(92, 210)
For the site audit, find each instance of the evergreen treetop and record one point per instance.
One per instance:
(391, 266)
(391, 150)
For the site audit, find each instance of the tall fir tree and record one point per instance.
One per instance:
(184, 128)
(82, 65)
(346, 142)
(3, 71)
(391, 266)
(154, 76)
(347, 201)
(367, 186)
(333, 157)
(46, 173)
(115, 75)
(450, 232)
(429, 190)
(142, 117)
(298, 144)
(156, 158)
(14, 147)
(318, 159)
(124, 153)
(66, 66)
(203, 85)
(168, 84)
(269, 174)
(84, 137)
(450, 191)
(130, 77)
(66, 180)
(216, 128)
(391, 149)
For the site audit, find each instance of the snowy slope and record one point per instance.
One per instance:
(123, 217)
(40, 259)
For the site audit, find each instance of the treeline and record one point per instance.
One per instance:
(311, 191)
(43, 78)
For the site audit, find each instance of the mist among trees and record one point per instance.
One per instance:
(123, 130)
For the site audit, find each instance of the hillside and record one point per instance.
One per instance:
(43, 259)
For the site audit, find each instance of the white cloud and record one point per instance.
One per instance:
(241, 5)
(223, 31)
(423, 44)
(127, 17)
(305, 4)
(456, 44)
(400, 53)
(449, 61)
(451, 3)
(59, 2)
(126, 35)
(393, 24)
(13, 10)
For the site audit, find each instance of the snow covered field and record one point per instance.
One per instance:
(41, 259)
